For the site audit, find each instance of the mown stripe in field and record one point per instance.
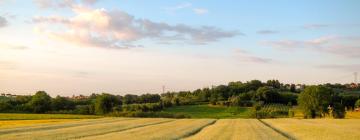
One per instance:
(197, 130)
(235, 129)
(58, 126)
(83, 131)
(277, 130)
(166, 131)
(139, 126)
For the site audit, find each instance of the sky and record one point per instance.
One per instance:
(68, 47)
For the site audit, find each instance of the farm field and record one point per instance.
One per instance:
(234, 129)
(206, 111)
(17, 116)
(312, 129)
(190, 129)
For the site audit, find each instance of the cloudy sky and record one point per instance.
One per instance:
(136, 46)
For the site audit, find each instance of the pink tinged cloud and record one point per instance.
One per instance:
(45, 4)
(336, 45)
(102, 28)
(245, 56)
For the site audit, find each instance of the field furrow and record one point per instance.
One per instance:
(85, 130)
(314, 129)
(40, 127)
(234, 129)
(173, 130)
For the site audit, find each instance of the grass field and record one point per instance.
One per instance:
(15, 116)
(206, 111)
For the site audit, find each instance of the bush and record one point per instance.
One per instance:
(338, 111)
(291, 113)
(270, 111)
(357, 103)
(142, 107)
(5, 106)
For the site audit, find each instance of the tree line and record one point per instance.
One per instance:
(315, 101)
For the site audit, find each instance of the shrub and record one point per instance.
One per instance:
(270, 111)
(291, 113)
(338, 111)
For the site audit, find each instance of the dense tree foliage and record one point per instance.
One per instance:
(318, 101)
(40, 102)
(314, 100)
(105, 102)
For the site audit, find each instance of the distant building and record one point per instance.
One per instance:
(354, 85)
(300, 87)
(79, 97)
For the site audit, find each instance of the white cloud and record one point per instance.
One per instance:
(266, 32)
(200, 11)
(243, 55)
(62, 3)
(346, 67)
(179, 6)
(337, 45)
(102, 28)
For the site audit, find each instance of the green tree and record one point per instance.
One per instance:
(357, 103)
(292, 88)
(267, 95)
(273, 83)
(62, 103)
(105, 102)
(338, 111)
(314, 100)
(40, 102)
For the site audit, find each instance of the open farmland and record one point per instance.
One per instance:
(209, 111)
(17, 116)
(234, 129)
(189, 129)
(313, 129)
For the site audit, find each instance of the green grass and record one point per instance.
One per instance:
(206, 111)
(16, 116)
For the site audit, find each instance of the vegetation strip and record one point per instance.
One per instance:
(91, 135)
(56, 126)
(277, 130)
(197, 130)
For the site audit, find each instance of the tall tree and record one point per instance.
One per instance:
(314, 101)
(40, 102)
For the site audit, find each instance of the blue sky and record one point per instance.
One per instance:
(136, 46)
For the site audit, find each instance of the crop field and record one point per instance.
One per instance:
(314, 129)
(235, 129)
(16, 116)
(206, 111)
(189, 129)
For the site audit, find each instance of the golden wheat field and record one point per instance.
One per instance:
(315, 129)
(189, 129)
(235, 129)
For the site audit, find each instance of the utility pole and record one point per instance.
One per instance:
(163, 89)
(355, 77)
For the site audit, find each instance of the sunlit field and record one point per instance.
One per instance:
(192, 129)
(315, 129)
(15, 116)
(208, 111)
(234, 129)
(352, 115)
(172, 130)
